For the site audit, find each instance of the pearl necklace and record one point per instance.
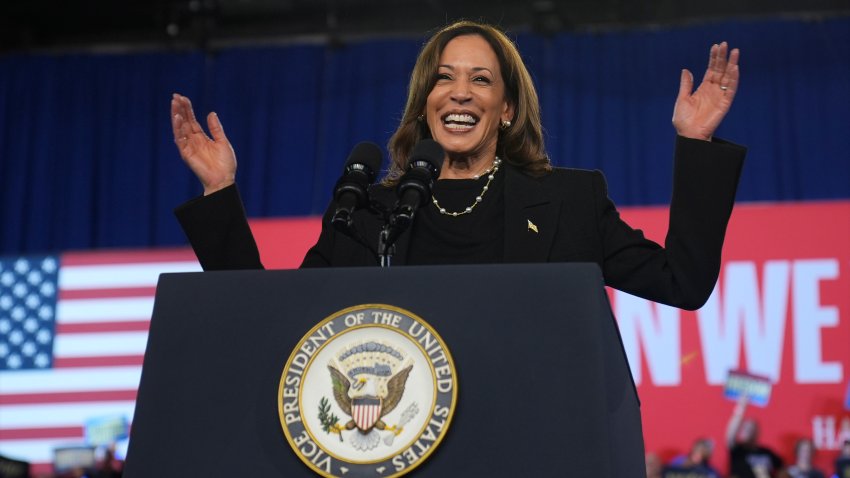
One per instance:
(491, 172)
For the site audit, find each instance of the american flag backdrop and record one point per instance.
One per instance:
(73, 330)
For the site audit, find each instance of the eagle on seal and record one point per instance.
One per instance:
(368, 382)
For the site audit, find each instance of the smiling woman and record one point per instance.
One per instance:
(467, 105)
(494, 73)
(498, 199)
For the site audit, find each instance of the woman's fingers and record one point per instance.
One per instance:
(712, 59)
(729, 82)
(732, 67)
(722, 70)
(189, 114)
(180, 105)
(186, 136)
(216, 129)
(176, 118)
(686, 85)
(720, 64)
(717, 63)
(733, 57)
(727, 78)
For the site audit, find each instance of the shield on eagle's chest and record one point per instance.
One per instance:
(365, 411)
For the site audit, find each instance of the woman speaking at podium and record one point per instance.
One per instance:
(498, 199)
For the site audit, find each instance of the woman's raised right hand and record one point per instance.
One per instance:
(212, 160)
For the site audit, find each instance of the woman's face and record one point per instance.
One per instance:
(467, 104)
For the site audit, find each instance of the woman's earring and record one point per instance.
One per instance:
(420, 118)
(505, 124)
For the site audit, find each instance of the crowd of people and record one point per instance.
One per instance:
(106, 467)
(747, 457)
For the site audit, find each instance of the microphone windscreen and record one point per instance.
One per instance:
(367, 154)
(430, 151)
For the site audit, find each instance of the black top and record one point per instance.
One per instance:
(743, 460)
(474, 238)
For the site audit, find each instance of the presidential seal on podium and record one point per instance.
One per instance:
(368, 392)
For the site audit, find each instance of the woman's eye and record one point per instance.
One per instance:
(443, 76)
(481, 79)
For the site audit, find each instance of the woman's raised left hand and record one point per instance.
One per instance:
(697, 114)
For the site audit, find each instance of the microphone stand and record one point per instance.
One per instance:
(413, 189)
(385, 249)
(390, 232)
(395, 223)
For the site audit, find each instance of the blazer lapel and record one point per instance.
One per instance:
(531, 218)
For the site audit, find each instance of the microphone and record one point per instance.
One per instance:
(414, 187)
(351, 190)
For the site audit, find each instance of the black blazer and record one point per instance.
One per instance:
(575, 221)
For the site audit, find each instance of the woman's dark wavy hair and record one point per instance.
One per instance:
(520, 145)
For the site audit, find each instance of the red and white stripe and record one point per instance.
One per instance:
(365, 416)
(102, 319)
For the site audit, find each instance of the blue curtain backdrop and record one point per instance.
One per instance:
(87, 159)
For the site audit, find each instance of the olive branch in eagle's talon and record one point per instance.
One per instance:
(330, 422)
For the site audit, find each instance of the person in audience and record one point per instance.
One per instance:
(698, 459)
(804, 452)
(748, 459)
